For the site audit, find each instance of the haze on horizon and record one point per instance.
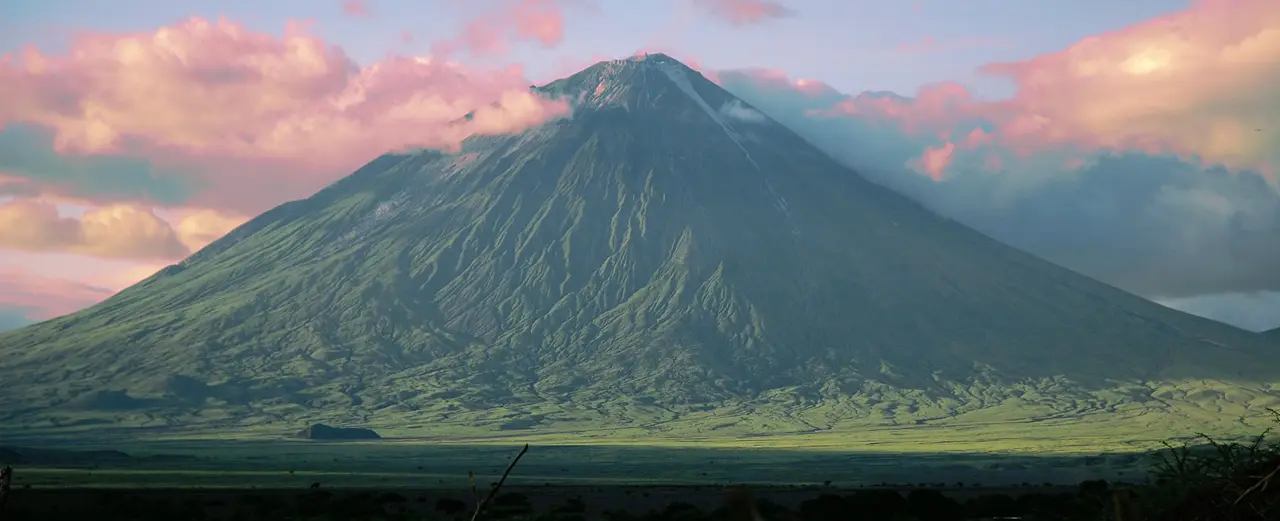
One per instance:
(1131, 142)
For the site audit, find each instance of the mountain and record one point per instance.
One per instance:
(1274, 333)
(667, 261)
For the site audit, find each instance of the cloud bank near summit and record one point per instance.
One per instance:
(1145, 157)
(248, 115)
(148, 145)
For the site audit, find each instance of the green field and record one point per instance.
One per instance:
(391, 464)
(1002, 450)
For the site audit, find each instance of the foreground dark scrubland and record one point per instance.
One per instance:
(1204, 482)
(544, 503)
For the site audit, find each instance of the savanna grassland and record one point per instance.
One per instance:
(245, 480)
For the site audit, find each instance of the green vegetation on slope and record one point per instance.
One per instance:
(647, 268)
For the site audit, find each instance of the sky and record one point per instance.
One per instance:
(1135, 142)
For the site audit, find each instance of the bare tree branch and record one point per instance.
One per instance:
(494, 491)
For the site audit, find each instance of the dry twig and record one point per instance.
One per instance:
(1261, 484)
(493, 491)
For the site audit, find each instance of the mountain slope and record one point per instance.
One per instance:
(666, 256)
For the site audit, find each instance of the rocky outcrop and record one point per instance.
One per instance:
(321, 431)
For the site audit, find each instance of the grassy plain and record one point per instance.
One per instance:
(415, 479)
(396, 464)
(1060, 450)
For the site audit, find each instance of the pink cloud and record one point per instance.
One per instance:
(261, 118)
(47, 285)
(1196, 84)
(539, 21)
(745, 12)
(112, 274)
(933, 162)
(936, 109)
(42, 297)
(976, 138)
(355, 7)
(196, 228)
(112, 231)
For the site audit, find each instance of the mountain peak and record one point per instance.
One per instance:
(643, 81)
(646, 59)
(655, 57)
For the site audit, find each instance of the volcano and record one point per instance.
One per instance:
(667, 259)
